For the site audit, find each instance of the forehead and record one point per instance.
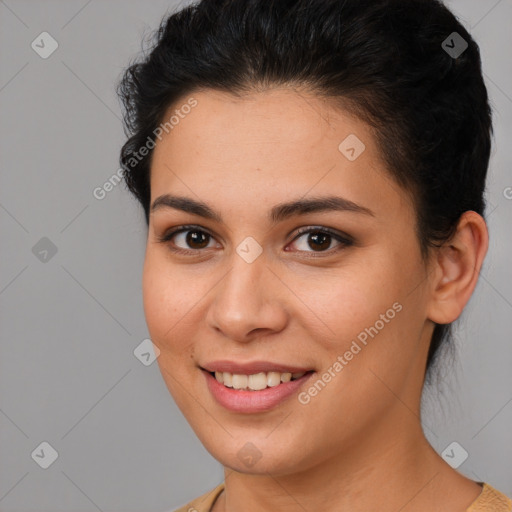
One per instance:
(275, 144)
(276, 117)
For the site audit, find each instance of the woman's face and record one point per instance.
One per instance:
(252, 289)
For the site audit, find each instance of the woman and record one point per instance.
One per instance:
(312, 176)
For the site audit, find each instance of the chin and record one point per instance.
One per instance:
(257, 455)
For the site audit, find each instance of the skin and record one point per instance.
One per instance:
(358, 444)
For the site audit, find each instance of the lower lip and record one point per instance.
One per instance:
(253, 401)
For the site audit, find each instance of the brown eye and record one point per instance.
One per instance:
(196, 239)
(320, 240)
(187, 239)
(191, 240)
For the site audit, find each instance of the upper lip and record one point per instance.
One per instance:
(252, 367)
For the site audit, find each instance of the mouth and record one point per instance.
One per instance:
(254, 393)
(256, 381)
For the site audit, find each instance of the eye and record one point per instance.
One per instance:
(191, 238)
(319, 239)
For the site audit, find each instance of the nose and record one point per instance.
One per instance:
(249, 302)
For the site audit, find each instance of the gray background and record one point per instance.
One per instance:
(69, 325)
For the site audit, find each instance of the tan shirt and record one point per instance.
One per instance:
(490, 500)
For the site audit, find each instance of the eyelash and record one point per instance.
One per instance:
(344, 240)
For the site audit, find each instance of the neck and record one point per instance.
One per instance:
(394, 470)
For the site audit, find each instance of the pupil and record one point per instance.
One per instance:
(321, 236)
(194, 237)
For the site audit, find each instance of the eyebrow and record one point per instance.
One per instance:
(277, 214)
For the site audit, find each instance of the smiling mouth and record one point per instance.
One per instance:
(256, 381)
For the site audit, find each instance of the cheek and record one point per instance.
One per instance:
(168, 301)
(388, 351)
(169, 296)
(346, 302)
(370, 318)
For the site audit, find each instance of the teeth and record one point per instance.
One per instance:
(226, 378)
(240, 381)
(256, 381)
(273, 379)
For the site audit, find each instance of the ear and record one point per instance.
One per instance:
(456, 268)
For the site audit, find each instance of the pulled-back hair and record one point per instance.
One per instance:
(386, 61)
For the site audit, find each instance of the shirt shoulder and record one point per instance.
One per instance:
(204, 502)
(491, 500)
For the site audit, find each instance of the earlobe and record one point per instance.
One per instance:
(457, 268)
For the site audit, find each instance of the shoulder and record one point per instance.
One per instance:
(491, 500)
(204, 502)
